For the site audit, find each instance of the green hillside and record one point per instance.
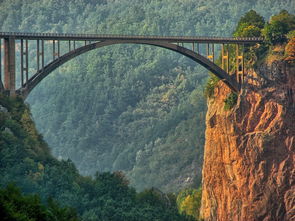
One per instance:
(138, 109)
(63, 194)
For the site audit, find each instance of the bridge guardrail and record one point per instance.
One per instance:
(82, 37)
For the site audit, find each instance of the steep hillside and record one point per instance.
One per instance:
(134, 108)
(26, 161)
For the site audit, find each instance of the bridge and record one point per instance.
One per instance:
(64, 47)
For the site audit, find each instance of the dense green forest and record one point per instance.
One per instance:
(63, 194)
(135, 109)
(138, 109)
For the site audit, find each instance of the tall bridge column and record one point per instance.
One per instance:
(1, 83)
(210, 52)
(225, 58)
(240, 63)
(24, 61)
(9, 65)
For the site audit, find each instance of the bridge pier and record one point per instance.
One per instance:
(240, 63)
(9, 65)
(38, 55)
(225, 58)
(210, 52)
(1, 83)
(53, 50)
(24, 58)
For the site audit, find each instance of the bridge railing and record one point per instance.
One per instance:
(69, 36)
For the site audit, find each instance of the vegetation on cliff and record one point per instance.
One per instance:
(277, 33)
(290, 49)
(230, 101)
(250, 25)
(279, 28)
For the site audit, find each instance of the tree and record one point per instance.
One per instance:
(189, 202)
(246, 30)
(15, 206)
(275, 32)
(250, 25)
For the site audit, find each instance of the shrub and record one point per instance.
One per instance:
(230, 101)
(189, 202)
(291, 34)
(209, 88)
(276, 31)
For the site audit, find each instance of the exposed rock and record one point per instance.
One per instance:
(7, 130)
(248, 171)
(3, 109)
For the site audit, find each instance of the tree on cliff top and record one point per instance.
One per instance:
(250, 25)
(276, 31)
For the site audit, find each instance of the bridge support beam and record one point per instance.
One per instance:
(53, 50)
(1, 83)
(38, 55)
(240, 63)
(9, 65)
(42, 54)
(24, 59)
(210, 52)
(225, 58)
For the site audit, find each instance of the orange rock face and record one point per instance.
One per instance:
(248, 171)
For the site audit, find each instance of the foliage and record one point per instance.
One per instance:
(26, 161)
(277, 31)
(134, 108)
(250, 25)
(249, 31)
(291, 34)
(290, 49)
(189, 202)
(230, 101)
(15, 206)
(280, 25)
(210, 86)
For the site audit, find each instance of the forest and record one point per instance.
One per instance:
(138, 109)
(134, 109)
(52, 189)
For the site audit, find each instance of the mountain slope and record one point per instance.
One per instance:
(138, 109)
(26, 161)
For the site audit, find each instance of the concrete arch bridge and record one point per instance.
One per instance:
(12, 43)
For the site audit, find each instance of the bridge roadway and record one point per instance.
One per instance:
(103, 37)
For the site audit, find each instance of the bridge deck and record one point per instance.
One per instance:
(98, 37)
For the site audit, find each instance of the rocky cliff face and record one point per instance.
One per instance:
(248, 171)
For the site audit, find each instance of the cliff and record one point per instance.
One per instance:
(248, 171)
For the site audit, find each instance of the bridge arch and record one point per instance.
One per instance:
(41, 74)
